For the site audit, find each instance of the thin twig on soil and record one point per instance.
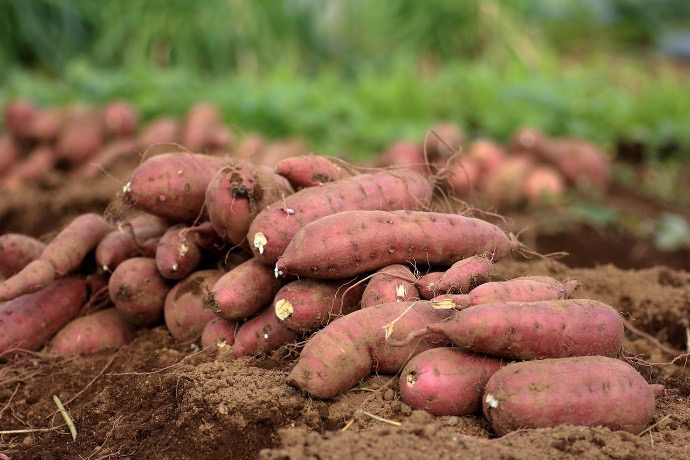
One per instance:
(654, 426)
(634, 330)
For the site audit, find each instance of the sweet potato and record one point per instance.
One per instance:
(425, 283)
(184, 311)
(177, 254)
(487, 155)
(29, 321)
(506, 187)
(353, 242)
(201, 121)
(138, 291)
(585, 391)
(311, 170)
(9, 152)
(404, 154)
(61, 256)
(529, 140)
(535, 330)
(543, 184)
(236, 194)
(172, 185)
(261, 334)
(580, 162)
(250, 147)
(393, 283)
(306, 305)
(352, 346)
(160, 131)
(82, 136)
(446, 381)
(89, 334)
(523, 289)
(37, 164)
(206, 237)
(243, 291)
(16, 251)
(446, 139)
(218, 332)
(459, 278)
(220, 138)
(106, 157)
(463, 176)
(126, 241)
(19, 114)
(47, 124)
(120, 118)
(273, 229)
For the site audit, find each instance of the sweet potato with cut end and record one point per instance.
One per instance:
(172, 185)
(29, 321)
(535, 330)
(446, 381)
(159, 131)
(353, 242)
(237, 193)
(352, 346)
(272, 230)
(243, 291)
(522, 289)
(306, 305)
(177, 253)
(393, 283)
(487, 155)
(311, 170)
(261, 334)
(89, 334)
(585, 391)
(404, 154)
(459, 278)
(120, 118)
(543, 185)
(184, 311)
(218, 332)
(126, 241)
(16, 251)
(9, 152)
(138, 291)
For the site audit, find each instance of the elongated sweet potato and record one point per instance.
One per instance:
(523, 289)
(353, 242)
(585, 391)
(126, 241)
(310, 170)
(306, 305)
(243, 291)
(535, 330)
(349, 348)
(274, 228)
(218, 332)
(446, 381)
(172, 185)
(459, 278)
(394, 283)
(16, 251)
(237, 193)
(261, 334)
(138, 291)
(29, 321)
(92, 333)
(184, 311)
(177, 254)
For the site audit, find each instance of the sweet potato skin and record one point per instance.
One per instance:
(349, 348)
(29, 321)
(425, 285)
(310, 170)
(16, 251)
(273, 229)
(353, 242)
(126, 241)
(177, 254)
(305, 305)
(184, 311)
(393, 283)
(138, 291)
(89, 334)
(584, 391)
(217, 331)
(446, 381)
(459, 278)
(261, 334)
(522, 289)
(535, 330)
(243, 291)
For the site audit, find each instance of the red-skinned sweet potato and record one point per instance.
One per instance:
(37, 164)
(353, 242)
(463, 176)
(29, 321)
(120, 118)
(579, 161)
(89, 334)
(218, 332)
(404, 154)
(446, 139)
(184, 311)
(243, 291)
(138, 291)
(105, 157)
(177, 253)
(585, 391)
(446, 381)
(250, 148)
(200, 123)
(9, 152)
(82, 136)
(16, 251)
(160, 131)
(393, 283)
(46, 124)
(543, 185)
(273, 229)
(459, 278)
(506, 187)
(311, 170)
(529, 140)
(126, 241)
(426, 282)
(488, 156)
(261, 334)
(19, 114)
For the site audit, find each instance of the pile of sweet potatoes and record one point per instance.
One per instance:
(230, 253)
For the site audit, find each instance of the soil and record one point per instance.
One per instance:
(158, 398)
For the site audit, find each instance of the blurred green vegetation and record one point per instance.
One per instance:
(350, 75)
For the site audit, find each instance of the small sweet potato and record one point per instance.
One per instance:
(16, 251)
(543, 184)
(126, 241)
(218, 332)
(393, 283)
(425, 283)
(506, 187)
(200, 123)
(120, 118)
(138, 291)
(311, 170)
(184, 311)
(530, 141)
(82, 136)
(92, 333)
(459, 278)
(273, 229)
(584, 391)
(159, 131)
(463, 176)
(446, 381)
(488, 156)
(580, 162)
(243, 291)
(177, 253)
(47, 124)
(352, 346)
(261, 334)
(29, 321)
(446, 139)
